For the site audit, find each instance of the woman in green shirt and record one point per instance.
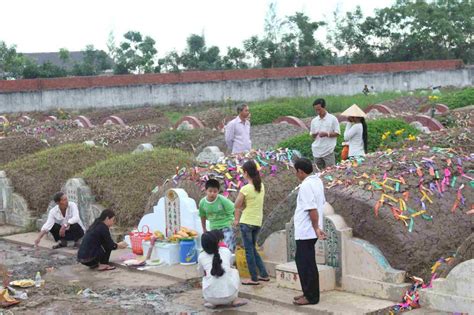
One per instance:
(249, 213)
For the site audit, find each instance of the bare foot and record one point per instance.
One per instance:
(105, 267)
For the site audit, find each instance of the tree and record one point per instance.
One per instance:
(136, 54)
(408, 30)
(170, 63)
(93, 62)
(64, 55)
(11, 62)
(198, 57)
(235, 59)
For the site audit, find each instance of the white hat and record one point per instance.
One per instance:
(354, 111)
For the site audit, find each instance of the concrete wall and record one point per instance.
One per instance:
(25, 97)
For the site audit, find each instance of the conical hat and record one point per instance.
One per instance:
(354, 111)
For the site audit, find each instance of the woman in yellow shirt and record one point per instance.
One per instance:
(249, 213)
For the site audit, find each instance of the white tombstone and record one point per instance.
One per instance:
(144, 147)
(418, 125)
(185, 125)
(210, 154)
(172, 212)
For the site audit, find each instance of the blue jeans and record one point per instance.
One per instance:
(249, 235)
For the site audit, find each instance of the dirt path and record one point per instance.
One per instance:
(70, 288)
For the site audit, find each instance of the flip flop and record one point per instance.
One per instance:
(241, 302)
(59, 246)
(250, 283)
(264, 279)
(107, 269)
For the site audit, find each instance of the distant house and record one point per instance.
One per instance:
(75, 57)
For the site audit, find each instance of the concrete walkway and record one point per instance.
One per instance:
(332, 302)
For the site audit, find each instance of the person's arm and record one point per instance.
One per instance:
(350, 132)
(228, 206)
(229, 135)
(203, 223)
(46, 227)
(105, 238)
(200, 268)
(312, 131)
(75, 214)
(203, 215)
(314, 217)
(239, 207)
(334, 133)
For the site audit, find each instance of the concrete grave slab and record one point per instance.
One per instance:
(211, 154)
(188, 123)
(114, 120)
(83, 122)
(144, 147)
(292, 120)
(455, 293)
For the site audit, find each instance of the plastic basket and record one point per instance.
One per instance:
(241, 261)
(136, 239)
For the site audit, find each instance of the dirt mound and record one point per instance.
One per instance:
(38, 176)
(406, 103)
(383, 200)
(186, 140)
(12, 148)
(212, 117)
(279, 182)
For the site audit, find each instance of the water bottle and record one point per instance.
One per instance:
(38, 280)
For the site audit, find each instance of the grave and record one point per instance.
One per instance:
(13, 207)
(83, 122)
(344, 262)
(25, 119)
(144, 147)
(114, 120)
(188, 123)
(455, 293)
(173, 211)
(50, 118)
(291, 120)
(3, 120)
(211, 154)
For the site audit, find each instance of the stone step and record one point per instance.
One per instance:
(287, 277)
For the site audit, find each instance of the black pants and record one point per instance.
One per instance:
(74, 233)
(305, 259)
(103, 258)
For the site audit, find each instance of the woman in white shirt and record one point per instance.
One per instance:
(356, 131)
(220, 282)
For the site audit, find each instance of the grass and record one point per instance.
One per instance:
(124, 182)
(187, 140)
(38, 176)
(376, 128)
(457, 99)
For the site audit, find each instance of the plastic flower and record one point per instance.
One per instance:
(411, 137)
(399, 132)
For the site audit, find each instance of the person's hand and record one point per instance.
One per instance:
(37, 241)
(314, 135)
(320, 234)
(122, 245)
(62, 231)
(323, 134)
(235, 224)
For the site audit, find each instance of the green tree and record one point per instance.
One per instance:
(235, 59)
(136, 54)
(11, 62)
(169, 63)
(64, 55)
(408, 30)
(198, 57)
(93, 62)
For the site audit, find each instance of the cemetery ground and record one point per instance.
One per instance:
(40, 156)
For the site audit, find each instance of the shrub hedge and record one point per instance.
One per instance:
(376, 129)
(457, 99)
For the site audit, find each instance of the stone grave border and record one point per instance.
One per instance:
(291, 120)
(190, 120)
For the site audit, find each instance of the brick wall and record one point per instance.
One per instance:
(206, 76)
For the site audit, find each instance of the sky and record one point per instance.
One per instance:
(48, 25)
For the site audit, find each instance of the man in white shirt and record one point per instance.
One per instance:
(308, 221)
(237, 131)
(63, 222)
(324, 130)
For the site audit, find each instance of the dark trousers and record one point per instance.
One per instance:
(74, 233)
(305, 259)
(103, 258)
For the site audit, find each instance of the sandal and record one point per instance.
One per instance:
(239, 302)
(250, 282)
(60, 245)
(264, 279)
(107, 268)
(303, 301)
(298, 297)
